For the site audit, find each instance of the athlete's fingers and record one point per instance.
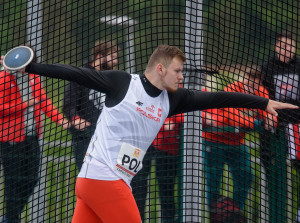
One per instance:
(272, 110)
(275, 105)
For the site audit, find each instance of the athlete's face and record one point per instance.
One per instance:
(172, 75)
(285, 49)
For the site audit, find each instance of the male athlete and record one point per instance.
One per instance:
(127, 127)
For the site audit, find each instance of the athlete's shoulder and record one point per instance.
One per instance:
(117, 74)
(116, 77)
(181, 95)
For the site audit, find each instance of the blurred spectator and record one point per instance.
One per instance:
(164, 151)
(83, 105)
(282, 81)
(224, 210)
(22, 100)
(228, 146)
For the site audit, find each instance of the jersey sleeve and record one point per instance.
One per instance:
(184, 100)
(108, 82)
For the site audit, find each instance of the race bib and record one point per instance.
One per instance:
(129, 161)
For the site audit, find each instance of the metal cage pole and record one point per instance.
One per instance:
(37, 202)
(192, 176)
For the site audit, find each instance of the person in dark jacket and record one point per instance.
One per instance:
(82, 105)
(282, 76)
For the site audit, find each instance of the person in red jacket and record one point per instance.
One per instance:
(229, 147)
(22, 102)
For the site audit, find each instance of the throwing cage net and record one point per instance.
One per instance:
(217, 165)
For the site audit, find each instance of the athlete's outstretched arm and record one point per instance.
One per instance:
(185, 100)
(104, 81)
(108, 82)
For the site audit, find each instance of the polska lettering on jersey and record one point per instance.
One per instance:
(150, 109)
(148, 115)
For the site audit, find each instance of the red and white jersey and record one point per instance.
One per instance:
(123, 134)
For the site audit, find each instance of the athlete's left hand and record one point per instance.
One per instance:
(275, 105)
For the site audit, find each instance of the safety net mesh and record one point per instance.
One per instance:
(215, 165)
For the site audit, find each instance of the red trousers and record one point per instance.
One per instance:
(104, 202)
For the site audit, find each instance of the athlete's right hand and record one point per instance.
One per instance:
(81, 124)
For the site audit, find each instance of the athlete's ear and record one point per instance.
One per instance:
(160, 68)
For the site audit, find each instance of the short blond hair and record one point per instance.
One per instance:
(164, 54)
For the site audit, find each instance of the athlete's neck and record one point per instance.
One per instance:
(150, 88)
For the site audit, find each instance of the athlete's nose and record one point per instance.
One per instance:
(180, 77)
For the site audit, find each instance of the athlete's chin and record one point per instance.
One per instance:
(172, 89)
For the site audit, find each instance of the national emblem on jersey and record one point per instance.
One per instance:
(159, 112)
(136, 152)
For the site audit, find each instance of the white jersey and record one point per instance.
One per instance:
(123, 134)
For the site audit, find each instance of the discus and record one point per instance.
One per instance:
(18, 58)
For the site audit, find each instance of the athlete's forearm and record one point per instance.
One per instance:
(60, 71)
(232, 100)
